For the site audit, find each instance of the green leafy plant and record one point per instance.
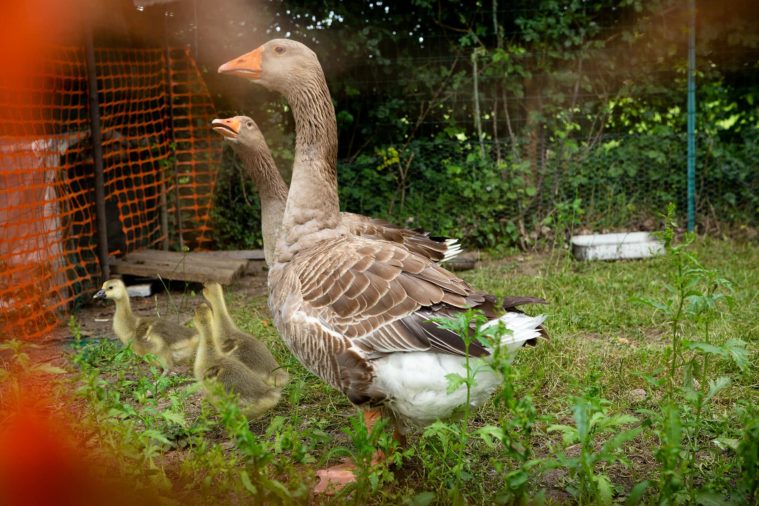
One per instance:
(375, 453)
(449, 441)
(597, 438)
(516, 424)
(696, 298)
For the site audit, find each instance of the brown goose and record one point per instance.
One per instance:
(356, 310)
(171, 342)
(248, 142)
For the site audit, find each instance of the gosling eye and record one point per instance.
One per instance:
(279, 49)
(110, 288)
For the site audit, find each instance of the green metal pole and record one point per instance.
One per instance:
(692, 118)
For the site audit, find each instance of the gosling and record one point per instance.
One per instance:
(171, 342)
(244, 347)
(256, 397)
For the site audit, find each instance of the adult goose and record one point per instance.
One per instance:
(356, 310)
(248, 142)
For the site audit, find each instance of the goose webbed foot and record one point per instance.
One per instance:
(335, 478)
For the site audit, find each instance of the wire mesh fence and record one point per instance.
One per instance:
(500, 160)
(158, 155)
(617, 182)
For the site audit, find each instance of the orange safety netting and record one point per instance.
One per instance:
(159, 162)
(197, 149)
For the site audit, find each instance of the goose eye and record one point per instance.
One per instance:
(279, 49)
(250, 124)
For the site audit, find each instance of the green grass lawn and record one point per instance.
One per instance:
(594, 414)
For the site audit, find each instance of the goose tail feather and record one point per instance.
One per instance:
(524, 329)
(453, 249)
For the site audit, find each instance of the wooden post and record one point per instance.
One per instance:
(97, 156)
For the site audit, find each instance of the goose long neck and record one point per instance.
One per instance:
(313, 206)
(261, 168)
(272, 191)
(205, 350)
(221, 321)
(124, 312)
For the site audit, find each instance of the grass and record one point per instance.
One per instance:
(587, 416)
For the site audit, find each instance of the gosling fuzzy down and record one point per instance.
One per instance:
(244, 347)
(171, 342)
(256, 397)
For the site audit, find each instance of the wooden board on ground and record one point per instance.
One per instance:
(194, 267)
(238, 254)
(255, 258)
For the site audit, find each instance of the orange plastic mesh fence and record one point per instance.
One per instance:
(48, 245)
(197, 149)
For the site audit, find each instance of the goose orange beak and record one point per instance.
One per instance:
(247, 66)
(228, 128)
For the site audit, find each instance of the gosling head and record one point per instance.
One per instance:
(212, 291)
(240, 131)
(113, 289)
(202, 317)
(277, 65)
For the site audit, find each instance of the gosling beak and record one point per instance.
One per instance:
(228, 128)
(247, 66)
(99, 295)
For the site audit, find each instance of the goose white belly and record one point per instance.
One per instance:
(417, 388)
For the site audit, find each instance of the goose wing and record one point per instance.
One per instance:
(381, 297)
(419, 242)
(171, 332)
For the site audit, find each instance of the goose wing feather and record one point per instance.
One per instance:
(414, 240)
(382, 296)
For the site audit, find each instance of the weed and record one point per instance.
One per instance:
(374, 453)
(516, 423)
(452, 439)
(592, 422)
(697, 298)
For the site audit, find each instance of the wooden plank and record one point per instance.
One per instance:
(160, 272)
(240, 254)
(179, 266)
(159, 257)
(223, 277)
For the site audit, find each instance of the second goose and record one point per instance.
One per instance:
(248, 142)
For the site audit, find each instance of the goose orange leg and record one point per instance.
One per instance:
(335, 478)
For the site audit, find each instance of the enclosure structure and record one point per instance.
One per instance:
(159, 159)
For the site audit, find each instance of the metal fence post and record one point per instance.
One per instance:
(97, 156)
(692, 118)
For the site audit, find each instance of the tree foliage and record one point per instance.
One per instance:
(508, 122)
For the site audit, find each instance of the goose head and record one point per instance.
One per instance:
(212, 291)
(240, 130)
(113, 289)
(202, 317)
(278, 65)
